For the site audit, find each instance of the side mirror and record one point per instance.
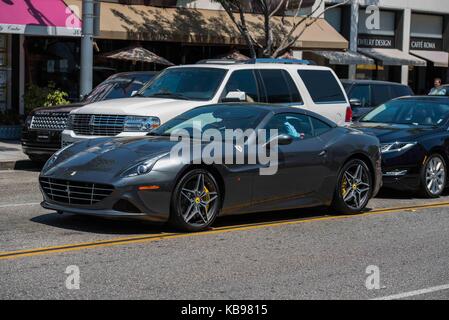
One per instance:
(235, 96)
(355, 103)
(134, 93)
(282, 139)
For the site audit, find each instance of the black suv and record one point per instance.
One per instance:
(365, 95)
(41, 135)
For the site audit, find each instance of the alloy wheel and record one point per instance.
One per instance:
(198, 200)
(435, 176)
(355, 186)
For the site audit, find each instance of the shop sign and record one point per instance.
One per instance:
(12, 28)
(376, 41)
(426, 44)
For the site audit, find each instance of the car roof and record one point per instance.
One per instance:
(275, 108)
(239, 66)
(444, 99)
(131, 73)
(348, 81)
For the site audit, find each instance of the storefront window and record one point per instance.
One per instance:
(5, 72)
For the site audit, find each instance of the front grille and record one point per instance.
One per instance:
(49, 121)
(74, 192)
(97, 125)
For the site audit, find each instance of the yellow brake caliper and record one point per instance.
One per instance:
(206, 197)
(344, 186)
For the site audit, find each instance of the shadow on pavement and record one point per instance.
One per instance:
(100, 225)
(28, 165)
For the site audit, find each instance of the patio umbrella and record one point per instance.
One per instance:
(233, 55)
(137, 54)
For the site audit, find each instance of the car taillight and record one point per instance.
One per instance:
(348, 117)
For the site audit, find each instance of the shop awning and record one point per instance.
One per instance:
(438, 58)
(344, 57)
(44, 17)
(141, 22)
(393, 57)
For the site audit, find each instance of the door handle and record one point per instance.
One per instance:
(323, 153)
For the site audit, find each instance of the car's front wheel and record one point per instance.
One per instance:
(354, 187)
(433, 176)
(196, 201)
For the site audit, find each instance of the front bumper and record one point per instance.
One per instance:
(125, 201)
(40, 142)
(402, 170)
(69, 136)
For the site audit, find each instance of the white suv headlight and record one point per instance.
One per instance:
(141, 124)
(396, 146)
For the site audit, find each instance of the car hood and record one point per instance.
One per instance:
(59, 109)
(394, 132)
(106, 159)
(163, 108)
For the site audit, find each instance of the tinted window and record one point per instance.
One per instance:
(362, 93)
(297, 126)
(323, 86)
(243, 80)
(185, 83)
(410, 111)
(401, 91)
(279, 86)
(381, 94)
(319, 127)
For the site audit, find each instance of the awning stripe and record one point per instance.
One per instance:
(344, 57)
(393, 57)
(438, 58)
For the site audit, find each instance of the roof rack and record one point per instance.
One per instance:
(284, 61)
(218, 61)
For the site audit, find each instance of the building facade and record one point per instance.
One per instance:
(410, 44)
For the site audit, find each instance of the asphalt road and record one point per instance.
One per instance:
(301, 254)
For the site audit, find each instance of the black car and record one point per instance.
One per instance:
(317, 163)
(41, 134)
(365, 95)
(414, 136)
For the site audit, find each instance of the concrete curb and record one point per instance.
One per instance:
(8, 164)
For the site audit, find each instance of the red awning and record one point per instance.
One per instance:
(39, 17)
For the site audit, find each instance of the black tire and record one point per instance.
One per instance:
(343, 190)
(425, 190)
(186, 196)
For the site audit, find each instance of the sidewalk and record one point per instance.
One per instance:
(10, 154)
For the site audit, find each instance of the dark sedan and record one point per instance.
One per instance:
(414, 135)
(41, 135)
(317, 164)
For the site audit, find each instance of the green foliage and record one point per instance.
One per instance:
(37, 97)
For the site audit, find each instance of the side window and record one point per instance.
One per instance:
(380, 94)
(401, 91)
(319, 127)
(362, 93)
(279, 86)
(322, 86)
(243, 80)
(296, 125)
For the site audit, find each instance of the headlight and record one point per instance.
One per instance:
(29, 120)
(396, 146)
(143, 167)
(54, 157)
(139, 124)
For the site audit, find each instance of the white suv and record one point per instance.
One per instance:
(181, 88)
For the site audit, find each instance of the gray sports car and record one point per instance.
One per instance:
(315, 163)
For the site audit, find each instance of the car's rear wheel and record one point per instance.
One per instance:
(196, 201)
(433, 176)
(354, 188)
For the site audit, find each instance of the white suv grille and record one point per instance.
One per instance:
(97, 125)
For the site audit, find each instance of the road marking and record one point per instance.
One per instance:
(414, 293)
(19, 204)
(162, 236)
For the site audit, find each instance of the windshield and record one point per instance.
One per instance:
(410, 112)
(118, 86)
(185, 83)
(218, 117)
